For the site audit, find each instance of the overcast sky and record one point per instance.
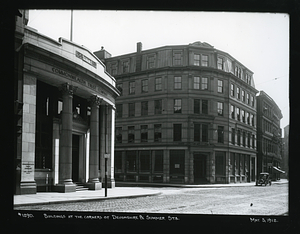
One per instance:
(260, 41)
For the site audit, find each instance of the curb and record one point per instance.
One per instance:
(87, 199)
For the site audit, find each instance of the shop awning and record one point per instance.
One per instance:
(277, 169)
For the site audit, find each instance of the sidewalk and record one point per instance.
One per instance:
(129, 190)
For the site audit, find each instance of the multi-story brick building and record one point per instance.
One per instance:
(269, 142)
(187, 114)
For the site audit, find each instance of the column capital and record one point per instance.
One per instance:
(66, 88)
(95, 100)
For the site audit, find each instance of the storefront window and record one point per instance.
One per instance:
(145, 161)
(131, 161)
(158, 161)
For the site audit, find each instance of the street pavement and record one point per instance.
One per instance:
(41, 198)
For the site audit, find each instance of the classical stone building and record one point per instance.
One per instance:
(269, 142)
(64, 114)
(186, 114)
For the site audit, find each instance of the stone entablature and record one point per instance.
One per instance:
(71, 51)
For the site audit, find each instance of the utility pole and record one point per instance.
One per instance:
(71, 32)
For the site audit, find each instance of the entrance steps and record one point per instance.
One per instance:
(80, 186)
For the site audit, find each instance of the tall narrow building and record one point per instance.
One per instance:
(269, 136)
(186, 114)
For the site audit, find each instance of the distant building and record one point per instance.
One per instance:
(269, 143)
(285, 155)
(64, 114)
(186, 114)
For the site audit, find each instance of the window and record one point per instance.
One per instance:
(204, 83)
(232, 111)
(144, 161)
(118, 161)
(158, 160)
(177, 59)
(239, 137)
(196, 106)
(131, 161)
(252, 100)
(177, 82)
(238, 117)
(144, 86)
(158, 86)
(119, 112)
(220, 86)
(157, 132)
(196, 82)
(220, 108)
(204, 106)
(196, 132)
(248, 99)
(243, 115)
(236, 71)
(240, 73)
(177, 105)
(220, 134)
(197, 59)
(247, 118)
(204, 133)
(132, 87)
(232, 90)
(233, 136)
(176, 132)
(114, 69)
(248, 140)
(244, 138)
(144, 133)
(144, 106)
(204, 61)
(238, 95)
(158, 107)
(220, 64)
(130, 133)
(253, 141)
(125, 66)
(119, 134)
(131, 109)
(252, 120)
(151, 62)
(243, 95)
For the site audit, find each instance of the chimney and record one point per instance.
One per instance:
(139, 47)
(102, 54)
(138, 65)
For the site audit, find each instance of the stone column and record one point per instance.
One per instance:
(93, 182)
(27, 183)
(65, 144)
(112, 148)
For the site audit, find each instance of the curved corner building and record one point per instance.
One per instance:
(186, 114)
(64, 112)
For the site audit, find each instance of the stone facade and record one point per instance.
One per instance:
(65, 103)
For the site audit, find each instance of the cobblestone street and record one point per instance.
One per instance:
(256, 200)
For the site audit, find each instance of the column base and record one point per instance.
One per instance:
(94, 185)
(65, 188)
(28, 187)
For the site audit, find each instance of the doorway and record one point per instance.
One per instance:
(200, 168)
(75, 158)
